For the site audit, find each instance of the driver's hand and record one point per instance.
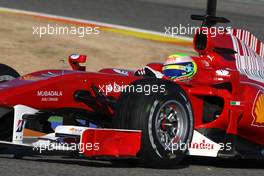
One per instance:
(148, 72)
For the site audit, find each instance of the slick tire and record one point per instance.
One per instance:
(6, 115)
(164, 117)
(6, 126)
(7, 73)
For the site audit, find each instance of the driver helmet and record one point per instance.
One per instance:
(179, 67)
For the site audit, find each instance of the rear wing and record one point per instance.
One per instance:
(250, 40)
(250, 54)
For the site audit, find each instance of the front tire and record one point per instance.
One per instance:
(165, 119)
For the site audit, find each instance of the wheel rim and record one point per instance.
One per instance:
(171, 125)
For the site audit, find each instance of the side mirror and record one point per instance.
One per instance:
(75, 60)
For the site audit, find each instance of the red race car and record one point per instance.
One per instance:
(211, 105)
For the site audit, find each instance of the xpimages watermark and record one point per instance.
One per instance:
(191, 30)
(81, 147)
(136, 88)
(79, 31)
(203, 145)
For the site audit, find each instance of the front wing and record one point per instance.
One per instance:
(94, 142)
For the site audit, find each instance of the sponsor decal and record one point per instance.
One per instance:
(235, 103)
(20, 125)
(223, 73)
(258, 110)
(49, 95)
(121, 72)
(75, 130)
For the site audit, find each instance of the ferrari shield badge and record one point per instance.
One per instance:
(258, 110)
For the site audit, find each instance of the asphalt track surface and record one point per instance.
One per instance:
(55, 165)
(138, 14)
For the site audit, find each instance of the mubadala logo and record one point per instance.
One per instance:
(50, 93)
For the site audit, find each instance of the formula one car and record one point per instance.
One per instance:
(116, 113)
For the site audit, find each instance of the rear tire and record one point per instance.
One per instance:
(7, 73)
(162, 117)
(6, 126)
(7, 116)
